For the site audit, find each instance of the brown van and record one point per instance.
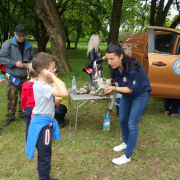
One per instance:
(158, 50)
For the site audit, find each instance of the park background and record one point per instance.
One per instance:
(63, 28)
(155, 157)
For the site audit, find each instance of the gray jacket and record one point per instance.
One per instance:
(9, 55)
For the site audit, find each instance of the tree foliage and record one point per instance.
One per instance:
(82, 18)
(9, 14)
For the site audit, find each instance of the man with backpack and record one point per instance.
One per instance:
(15, 55)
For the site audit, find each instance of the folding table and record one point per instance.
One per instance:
(85, 97)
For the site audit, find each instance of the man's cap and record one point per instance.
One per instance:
(12, 79)
(31, 68)
(20, 30)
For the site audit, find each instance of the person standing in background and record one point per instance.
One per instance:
(94, 54)
(15, 55)
(174, 106)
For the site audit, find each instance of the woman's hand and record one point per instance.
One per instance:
(109, 89)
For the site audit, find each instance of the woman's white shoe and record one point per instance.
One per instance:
(120, 147)
(121, 160)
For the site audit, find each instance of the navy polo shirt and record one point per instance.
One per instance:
(137, 81)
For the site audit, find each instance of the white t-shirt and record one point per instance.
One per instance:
(44, 101)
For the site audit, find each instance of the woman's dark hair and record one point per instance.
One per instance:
(127, 62)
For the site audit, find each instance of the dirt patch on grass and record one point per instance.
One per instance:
(107, 174)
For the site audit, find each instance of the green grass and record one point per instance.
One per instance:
(156, 155)
(79, 53)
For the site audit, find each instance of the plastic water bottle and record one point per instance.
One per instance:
(106, 124)
(73, 84)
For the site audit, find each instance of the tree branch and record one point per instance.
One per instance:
(177, 5)
(152, 13)
(175, 22)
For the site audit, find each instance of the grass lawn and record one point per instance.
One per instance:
(156, 155)
(79, 53)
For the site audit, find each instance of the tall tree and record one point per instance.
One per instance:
(176, 19)
(159, 13)
(83, 18)
(33, 23)
(115, 21)
(175, 22)
(49, 15)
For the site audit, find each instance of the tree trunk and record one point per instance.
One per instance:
(76, 42)
(67, 39)
(1, 42)
(153, 12)
(40, 34)
(43, 39)
(42, 43)
(175, 22)
(162, 12)
(48, 13)
(5, 34)
(115, 21)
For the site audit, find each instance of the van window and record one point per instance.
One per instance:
(178, 48)
(162, 42)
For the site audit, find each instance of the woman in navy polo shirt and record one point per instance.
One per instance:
(134, 86)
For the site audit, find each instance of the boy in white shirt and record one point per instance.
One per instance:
(43, 124)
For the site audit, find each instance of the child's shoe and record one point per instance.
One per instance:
(50, 179)
(53, 179)
(166, 113)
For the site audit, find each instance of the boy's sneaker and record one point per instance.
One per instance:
(61, 125)
(50, 179)
(121, 160)
(53, 178)
(120, 147)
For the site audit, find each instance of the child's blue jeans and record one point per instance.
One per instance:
(28, 113)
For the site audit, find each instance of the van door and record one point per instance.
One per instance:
(164, 62)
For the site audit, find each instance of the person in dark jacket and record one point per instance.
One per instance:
(15, 55)
(94, 54)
